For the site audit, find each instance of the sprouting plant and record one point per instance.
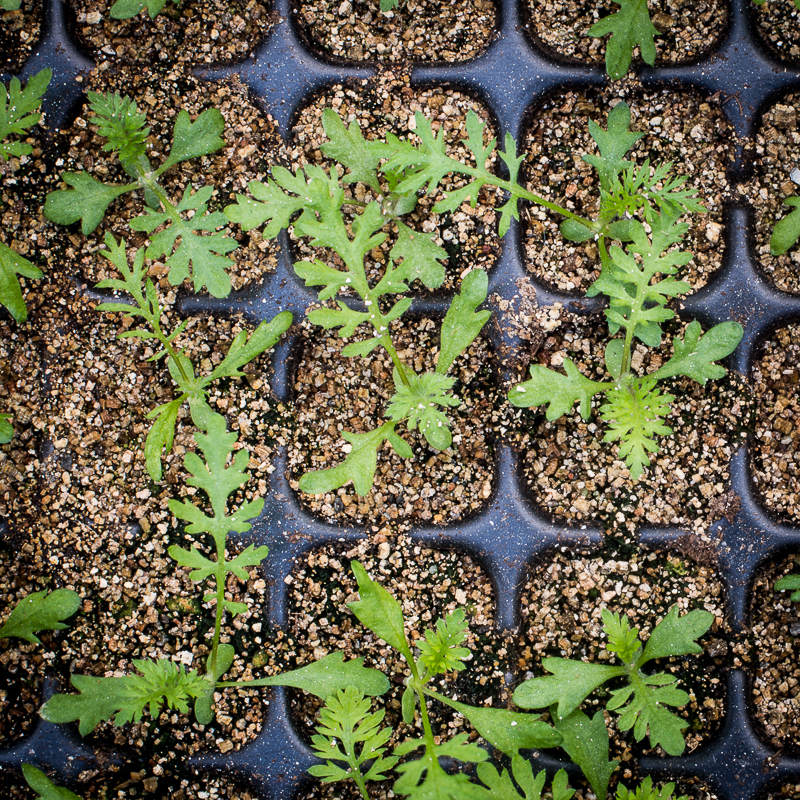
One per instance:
(44, 787)
(191, 388)
(313, 201)
(632, 279)
(202, 251)
(629, 27)
(40, 611)
(440, 651)
(761, 3)
(789, 583)
(643, 702)
(125, 9)
(787, 230)
(19, 111)
(161, 682)
(646, 791)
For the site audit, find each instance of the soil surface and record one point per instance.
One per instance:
(776, 450)
(21, 30)
(775, 621)
(776, 154)
(195, 31)
(778, 23)
(416, 30)
(688, 29)
(688, 130)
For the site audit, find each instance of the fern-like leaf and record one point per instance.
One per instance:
(349, 734)
(634, 413)
(440, 650)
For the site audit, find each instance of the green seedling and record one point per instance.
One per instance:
(40, 611)
(19, 111)
(202, 252)
(9, 5)
(162, 682)
(640, 208)
(125, 9)
(351, 741)
(313, 201)
(642, 703)
(786, 231)
(191, 388)
(789, 583)
(646, 791)
(45, 788)
(629, 27)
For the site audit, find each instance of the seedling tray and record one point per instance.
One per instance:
(507, 535)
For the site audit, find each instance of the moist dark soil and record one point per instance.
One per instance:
(193, 32)
(776, 155)
(775, 689)
(21, 29)
(686, 129)
(689, 30)
(776, 448)
(416, 30)
(778, 26)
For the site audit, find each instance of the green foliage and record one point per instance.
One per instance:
(646, 791)
(125, 9)
(313, 201)
(202, 251)
(634, 413)
(642, 703)
(786, 232)
(18, 113)
(44, 787)
(585, 740)
(629, 27)
(121, 123)
(440, 652)
(125, 699)
(192, 388)
(640, 208)
(790, 583)
(500, 785)
(6, 428)
(348, 733)
(40, 611)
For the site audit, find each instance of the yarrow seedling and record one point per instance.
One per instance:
(642, 704)
(313, 200)
(19, 111)
(160, 682)
(640, 208)
(202, 251)
(192, 388)
(787, 230)
(354, 746)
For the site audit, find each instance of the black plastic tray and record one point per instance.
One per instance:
(509, 78)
